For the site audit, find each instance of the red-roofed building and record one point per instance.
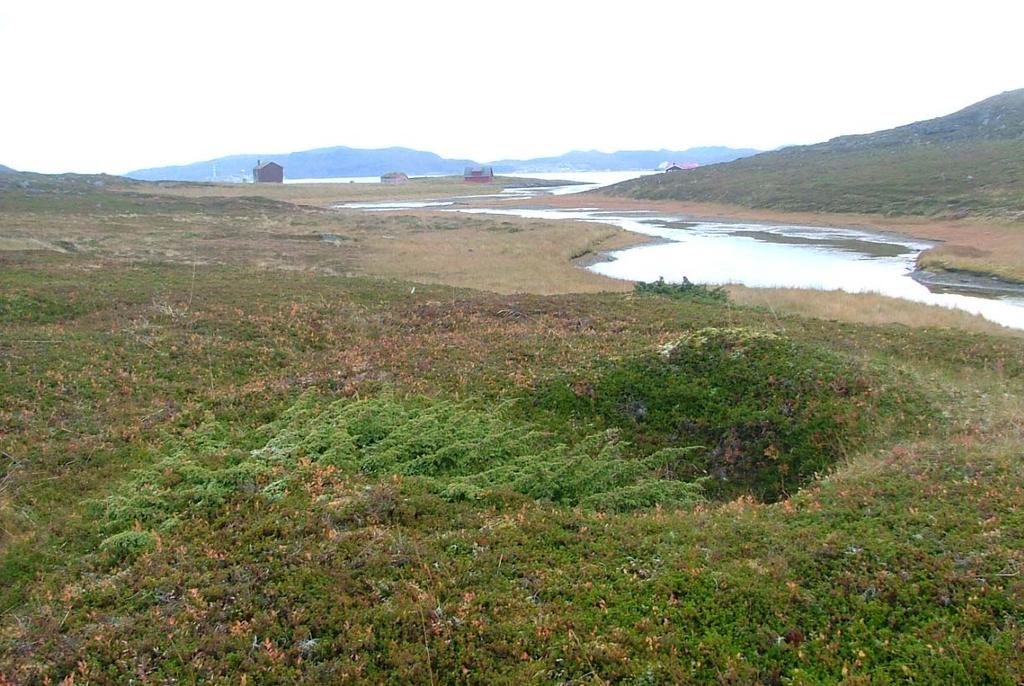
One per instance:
(478, 175)
(394, 178)
(267, 172)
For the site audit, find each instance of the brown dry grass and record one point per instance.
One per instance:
(502, 254)
(862, 308)
(505, 255)
(995, 253)
(495, 253)
(324, 194)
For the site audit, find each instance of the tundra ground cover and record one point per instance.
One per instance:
(214, 473)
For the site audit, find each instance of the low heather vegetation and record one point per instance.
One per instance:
(216, 473)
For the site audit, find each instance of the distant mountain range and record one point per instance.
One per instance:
(7, 169)
(321, 163)
(969, 163)
(624, 160)
(343, 161)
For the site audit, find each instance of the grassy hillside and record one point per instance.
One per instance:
(225, 465)
(970, 163)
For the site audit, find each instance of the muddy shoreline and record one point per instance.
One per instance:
(605, 254)
(966, 282)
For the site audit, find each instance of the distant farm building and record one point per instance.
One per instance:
(681, 166)
(394, 178)
(478, 174)
(267, 172)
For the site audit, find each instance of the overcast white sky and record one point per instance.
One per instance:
(113, 86)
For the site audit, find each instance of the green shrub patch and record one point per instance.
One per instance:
(465, 451)
(459, 450)
(769, 413)
(686, 290)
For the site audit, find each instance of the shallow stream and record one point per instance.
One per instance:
(755, 254)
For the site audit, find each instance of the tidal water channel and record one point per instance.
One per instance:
(755, 254)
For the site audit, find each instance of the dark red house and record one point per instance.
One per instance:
(478, 175)
(267, 172)
(394, 178)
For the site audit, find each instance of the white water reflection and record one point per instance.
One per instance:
(773, 255)
(583, 181)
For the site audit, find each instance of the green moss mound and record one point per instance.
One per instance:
(770, 413)
(717, 412)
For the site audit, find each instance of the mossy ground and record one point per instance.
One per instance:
(189, 494)
(219, 474)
